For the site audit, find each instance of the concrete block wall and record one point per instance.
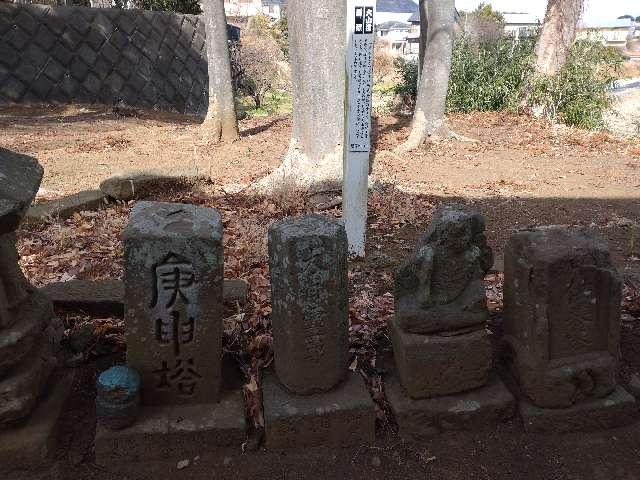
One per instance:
(105, 56)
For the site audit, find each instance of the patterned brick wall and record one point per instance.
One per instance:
(86, 55)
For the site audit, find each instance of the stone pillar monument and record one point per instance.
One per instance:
(29, 334)
(314, 400)
(173, 301)
(440, 342)
(173, 320)
(562, 299)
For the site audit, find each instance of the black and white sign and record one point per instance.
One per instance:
(360, 71)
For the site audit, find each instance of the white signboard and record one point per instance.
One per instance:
(360, 71)
(359, 75)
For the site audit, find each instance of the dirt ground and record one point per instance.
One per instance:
(521, 172)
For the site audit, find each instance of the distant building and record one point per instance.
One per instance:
(413, 39)
(521, 24)
(273, 8)
(242, 8)
(394, 35)
(613, 33)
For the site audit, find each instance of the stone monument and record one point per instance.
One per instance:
(562, 299)
(30, 402)
(312, 399)
(173, 318)
(440, 342)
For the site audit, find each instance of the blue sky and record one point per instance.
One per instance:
(597, 12)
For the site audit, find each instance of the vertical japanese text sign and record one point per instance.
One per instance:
(360, 79)
(359, 72)
(173, 301)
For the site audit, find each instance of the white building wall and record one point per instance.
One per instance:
(382, 17)
(242, 8)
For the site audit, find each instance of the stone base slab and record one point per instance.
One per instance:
(31, 445)
(435, 365)
(174, 432)
(343, 416)
(106, 297)
(65, 207)
(420, 419)
(617, 409)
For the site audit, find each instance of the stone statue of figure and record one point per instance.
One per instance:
(441, 286)
(29, 333)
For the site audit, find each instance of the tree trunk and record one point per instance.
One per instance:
(317, 49)
(221, 122)
(428, 117)
(557, 35)
(422, 46)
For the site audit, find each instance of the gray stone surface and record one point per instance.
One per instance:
(106, 297)
(23, 385)
(562, 315)
(441, 285)
(65, 207)
(20, 178)
(173, 301)
(132, 185)
(308, 268)
(432, 365)
(31, 444)
(174, 432)
(419, 419)
(634, 385)
(343, 416)
(108, 55)
(32, 317)
(617, 409)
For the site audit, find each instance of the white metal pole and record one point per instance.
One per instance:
(357, 143)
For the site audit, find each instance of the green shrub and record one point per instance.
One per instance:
(499, 76)
(488, 77)
(407, 88)
(579, 94)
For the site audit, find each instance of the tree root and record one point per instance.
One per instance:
(297, 173)
(416, 139)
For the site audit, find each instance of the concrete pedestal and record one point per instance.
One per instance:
(31, 444)
(343, 416)
(174, 432)
(422, 418)
(615, 410)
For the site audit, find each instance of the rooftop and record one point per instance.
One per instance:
(521, 17)
(396, 6)
(393, 25)
(606, 23)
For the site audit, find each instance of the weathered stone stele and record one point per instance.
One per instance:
(173, 301)
(27, 333)
(31, 399)
(442, 378)
(308, 267)
(562, 315)
(440, 343)
(441, 286)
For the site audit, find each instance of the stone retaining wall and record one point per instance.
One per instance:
(106, 56)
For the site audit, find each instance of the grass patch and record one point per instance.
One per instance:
(277, 102)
